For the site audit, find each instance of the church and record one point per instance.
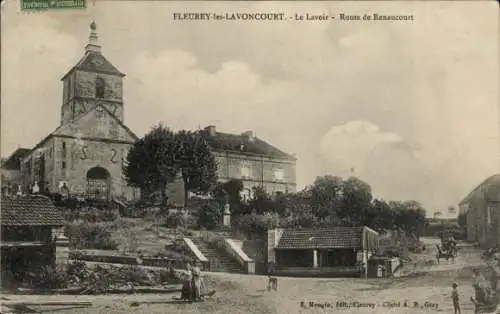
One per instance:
(84, 155)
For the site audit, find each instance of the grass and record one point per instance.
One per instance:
(134, 236)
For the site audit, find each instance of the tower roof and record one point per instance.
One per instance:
(93, 60)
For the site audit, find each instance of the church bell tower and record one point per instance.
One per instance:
(92, 82)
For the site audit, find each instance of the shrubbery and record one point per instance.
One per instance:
(97, 278)
(180, 219)
(210, 216)
(255, 226)
(89, 236)
(90, 214)
(47, 277)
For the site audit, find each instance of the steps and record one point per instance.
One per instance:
(220, 261)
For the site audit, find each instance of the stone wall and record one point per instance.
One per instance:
(273, 238)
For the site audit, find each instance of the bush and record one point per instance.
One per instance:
(300, 220)
(256, 226)
(210, 216)
(90, 214)
(89, 236)
(180, 219)
(47, 277)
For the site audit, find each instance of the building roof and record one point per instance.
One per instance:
(54, 133)
(489, 188)
(323, 238)
(13, 162)
(94, 61)
(241, 144)
(29, 211)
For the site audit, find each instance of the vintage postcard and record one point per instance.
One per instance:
(250, 157)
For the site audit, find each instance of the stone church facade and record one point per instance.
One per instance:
(84, 155)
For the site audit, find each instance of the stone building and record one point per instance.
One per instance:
(482, 210)
(83, 156)
(253, 161)
(11, 171)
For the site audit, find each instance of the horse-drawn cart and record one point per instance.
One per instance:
(447, 250)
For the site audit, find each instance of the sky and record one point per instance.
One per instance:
(412, 108)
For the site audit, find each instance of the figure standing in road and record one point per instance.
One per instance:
(455, 299)
(196, 283)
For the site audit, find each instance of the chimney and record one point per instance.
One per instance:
(210, 130)
(248, 135)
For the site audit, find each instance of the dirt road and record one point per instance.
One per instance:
(427, 291)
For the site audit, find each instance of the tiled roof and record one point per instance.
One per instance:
(329, 238)
(29, 211)
(13, 162)
(489, 188)
(95, 62)
(241, 144)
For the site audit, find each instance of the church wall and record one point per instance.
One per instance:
(49, 154)
(80, 159)
(85, 87)
(99, 124)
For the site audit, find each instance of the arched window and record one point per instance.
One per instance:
(99, 87)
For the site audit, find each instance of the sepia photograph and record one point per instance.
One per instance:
(250, 157)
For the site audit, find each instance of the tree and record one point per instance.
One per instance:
(381, 216)
(195, 162)
(233, 189)
(210, 215)
(409, 216)
(325, 196)
(151, 163)
(356, 201)
(261, 202)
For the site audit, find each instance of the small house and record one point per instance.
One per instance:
(27, 241)
(334, 251)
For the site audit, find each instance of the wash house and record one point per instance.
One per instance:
(342, 251)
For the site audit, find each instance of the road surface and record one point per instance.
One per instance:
(427, 291)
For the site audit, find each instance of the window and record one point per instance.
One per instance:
(63, 165)
(279, 175)
(245, 171)
(99, 87)
(63, 150)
